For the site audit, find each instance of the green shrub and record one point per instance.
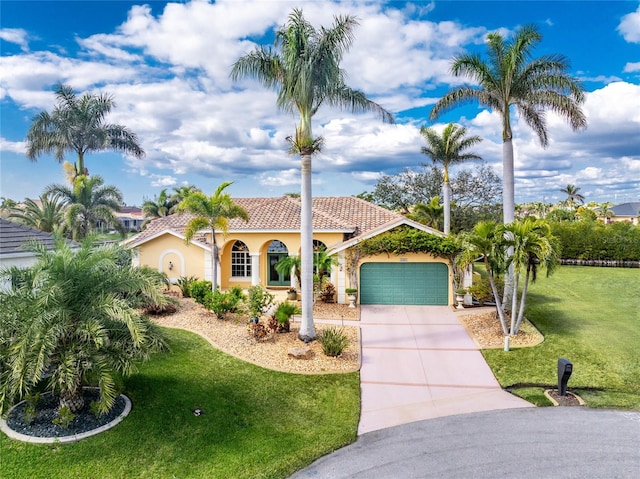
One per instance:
(333, 340)
(237, 292)
(65, 416)
(259, 301)
(184, 283)
(198, 290)
(281, 319)
(221, 303)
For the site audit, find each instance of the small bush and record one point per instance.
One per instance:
(65, 416)
(328, 292)
(198, 290)
(238, 293)
(221, 303)
(168, 305)
(280, 321)
(30, 410)
(184, 283)
(333, 340)
(259, 301)
(258, 331)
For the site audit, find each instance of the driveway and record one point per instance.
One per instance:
(531, 443)
(418, 362)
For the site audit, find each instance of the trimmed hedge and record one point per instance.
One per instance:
(588, 240)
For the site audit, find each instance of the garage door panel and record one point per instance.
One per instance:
(404, 283)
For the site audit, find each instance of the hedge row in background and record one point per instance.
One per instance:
(588, 240)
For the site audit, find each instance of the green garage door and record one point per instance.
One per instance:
(404, 283)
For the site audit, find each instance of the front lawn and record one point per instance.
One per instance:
(256, 423)
(590, 316)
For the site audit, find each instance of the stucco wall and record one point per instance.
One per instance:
(186, 260)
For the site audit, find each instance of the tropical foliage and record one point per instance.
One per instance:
(72, 320)
(448, 149)
(402, 240)
(573, 195)
(88, 203)
(212, 213)
(46, 215)
(587, 240)
(304, 69)
(510, 78)
(78, 125)
(428, 214)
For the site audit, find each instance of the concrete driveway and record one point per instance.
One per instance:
(418, 362)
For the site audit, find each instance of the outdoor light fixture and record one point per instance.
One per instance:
(170, 265)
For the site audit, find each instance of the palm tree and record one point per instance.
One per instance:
(604, 210)
(74, 321)
(304, 68)
(47, 214)
(533, 246)
(448, 149)
(214, 213)
(78, 124)
(181, 192)
(288, 264)
(573, 196)
(510, 78)
(484, 242)
(89, 203)
(161, 205)
(430, 214)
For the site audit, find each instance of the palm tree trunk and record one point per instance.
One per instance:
(523, 299)
(214, 261)
(514, 304)
(446, 193)
(508, 209)
(496, 296)
(73, 398)
(307, 330)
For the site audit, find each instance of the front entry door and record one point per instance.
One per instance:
(275, 278)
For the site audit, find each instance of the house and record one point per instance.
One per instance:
(629, 212)
(250, 250)
(13, 238)
(131, 218)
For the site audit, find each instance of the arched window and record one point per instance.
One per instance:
(240, 260)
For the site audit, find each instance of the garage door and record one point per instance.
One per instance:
(404, 283)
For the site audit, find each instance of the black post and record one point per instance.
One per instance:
(565, 368)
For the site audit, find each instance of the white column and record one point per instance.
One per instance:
(255, 268)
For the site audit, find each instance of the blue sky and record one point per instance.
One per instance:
(167, 65)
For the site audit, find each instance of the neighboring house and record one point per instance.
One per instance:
(251, 249)
(131, 218)
(629, 212)
(13, 237)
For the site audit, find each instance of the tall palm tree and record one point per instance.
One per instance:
(47, 214)
(448, 149)
(74, 321)
(181, 192)
(510, 78)
(211, 212)
(78, 124)
(573, 196)
(89, 203)
(304, 69)
(533, 246)
(430, 214)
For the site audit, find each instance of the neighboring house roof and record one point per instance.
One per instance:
(626, 209)
(346, 214)
(13, 236)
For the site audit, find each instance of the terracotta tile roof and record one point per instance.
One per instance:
(346, 214)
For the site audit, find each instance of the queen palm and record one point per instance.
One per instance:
(72, 320)
(162, 205)
(89, 203)
(212, 213)
(304, 69)
(78, 124)
(448, 149)
(47, 214)
(510, 78)
(429, 214)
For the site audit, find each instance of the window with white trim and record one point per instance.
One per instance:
(240, 260)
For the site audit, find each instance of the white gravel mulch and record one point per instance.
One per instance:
(231, 336)
(484, 328)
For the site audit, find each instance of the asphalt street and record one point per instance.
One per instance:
(550, 442)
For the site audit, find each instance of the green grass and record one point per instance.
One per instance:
(590, 316)
(256, 423)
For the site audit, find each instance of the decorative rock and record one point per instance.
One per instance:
(301, 353)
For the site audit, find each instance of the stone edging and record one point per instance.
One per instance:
(556, 403)
(4, 427)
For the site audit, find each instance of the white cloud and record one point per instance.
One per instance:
(17, 36)
(632, 67)
(629, 27)
(162, 181)
(12, 146)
